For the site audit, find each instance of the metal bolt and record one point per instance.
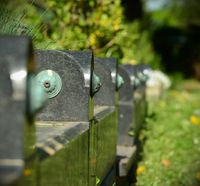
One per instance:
(120, 81)
(47, 84)
(96, 83)
(50, 81)
(136, 82)
(147, 73)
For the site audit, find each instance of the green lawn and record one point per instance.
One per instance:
(171, 154)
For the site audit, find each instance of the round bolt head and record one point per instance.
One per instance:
(50, 81)
(120, 81)
(96, 83)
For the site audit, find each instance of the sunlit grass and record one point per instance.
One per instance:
(172, 147)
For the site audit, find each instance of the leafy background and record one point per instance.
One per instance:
(79, 25)
(124, 29)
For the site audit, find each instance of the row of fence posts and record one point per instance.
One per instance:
(67, 118)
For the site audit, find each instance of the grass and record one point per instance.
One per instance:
(171, 154)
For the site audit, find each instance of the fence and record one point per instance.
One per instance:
(67, 117)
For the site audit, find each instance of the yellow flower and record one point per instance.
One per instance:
(131, 61)
(92, 40)
(140, 169)
(27, 172)
(195, 120)
(99, 33)
(116, 24)
(104, 21)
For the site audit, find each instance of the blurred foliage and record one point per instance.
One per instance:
(186, 11)
(83, 24)
(176, 13)
(176, 26)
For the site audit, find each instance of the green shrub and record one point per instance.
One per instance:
(85, 24)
